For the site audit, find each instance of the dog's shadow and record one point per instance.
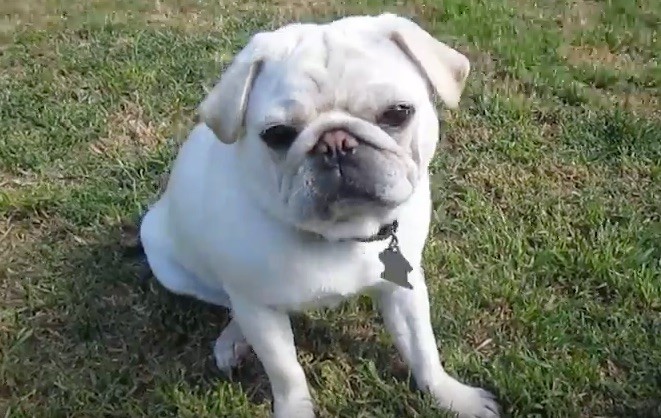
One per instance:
(154, 336)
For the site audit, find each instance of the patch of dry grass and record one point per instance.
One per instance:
(130, 133)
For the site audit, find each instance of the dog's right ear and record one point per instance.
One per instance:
(445, 68)
(224, 108)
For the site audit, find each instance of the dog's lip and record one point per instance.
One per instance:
(354, 197)
(368, 199)
(343, 211)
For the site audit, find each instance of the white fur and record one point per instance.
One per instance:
(226, 231)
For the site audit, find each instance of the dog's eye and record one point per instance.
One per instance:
(279, 136)
(396, 116)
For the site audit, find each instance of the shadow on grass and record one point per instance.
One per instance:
(123, 329)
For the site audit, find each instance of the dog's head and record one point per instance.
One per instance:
(335, 123)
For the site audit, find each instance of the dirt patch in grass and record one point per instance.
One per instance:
(579, 15)
(297, 9)
(571, 16)
(509, 184)
(641, 102)
(130, 133)
(599, 56)
(308, 10)
(15, 15)
(189, 15)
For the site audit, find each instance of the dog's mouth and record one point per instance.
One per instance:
(354, 197)
(364, 177)
(361, 222)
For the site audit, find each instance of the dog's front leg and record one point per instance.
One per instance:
(269, 333)
(406, 316)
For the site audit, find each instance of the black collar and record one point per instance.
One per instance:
(386, 231)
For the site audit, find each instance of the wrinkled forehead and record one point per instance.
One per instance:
(358, 72)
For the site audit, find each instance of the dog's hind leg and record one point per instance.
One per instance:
(230, 347)
(169, 273)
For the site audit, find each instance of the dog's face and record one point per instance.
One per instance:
(334, 124)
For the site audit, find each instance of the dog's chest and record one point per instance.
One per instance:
(307, 276)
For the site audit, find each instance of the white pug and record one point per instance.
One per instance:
(314, 146)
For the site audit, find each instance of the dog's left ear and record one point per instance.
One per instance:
(223, 109)
(445, 68)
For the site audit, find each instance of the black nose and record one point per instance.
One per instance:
(334, 144)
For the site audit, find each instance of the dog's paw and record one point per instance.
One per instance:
(466, 401)
(488, 406)
(294, 408)
(229, 353)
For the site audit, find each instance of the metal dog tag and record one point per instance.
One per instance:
(396, 265)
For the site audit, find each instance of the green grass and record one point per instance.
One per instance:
(543, 265)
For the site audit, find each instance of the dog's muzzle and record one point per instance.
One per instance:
(340, 159)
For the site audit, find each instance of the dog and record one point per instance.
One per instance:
(305, 182)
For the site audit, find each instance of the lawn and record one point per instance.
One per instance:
(544, 261)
